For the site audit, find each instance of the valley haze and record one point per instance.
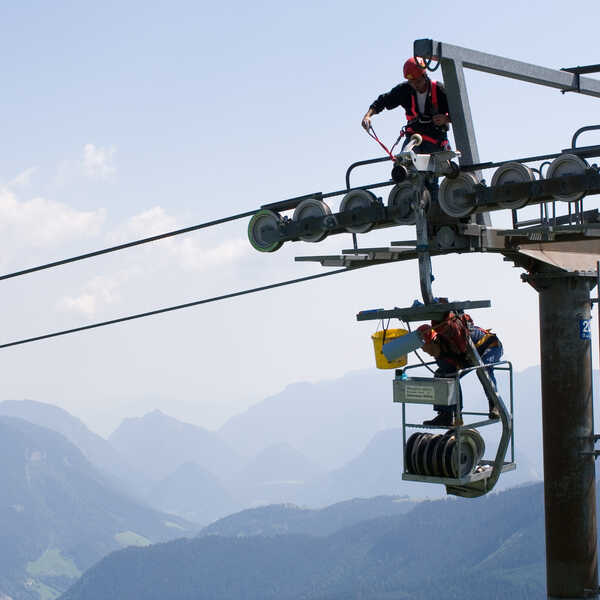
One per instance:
(246, 448)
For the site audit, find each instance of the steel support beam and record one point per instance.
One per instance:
(454, 59)
(460, 109)
(567, 417)
(507, 67)
(462, 121)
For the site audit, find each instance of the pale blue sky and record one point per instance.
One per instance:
(122, 119)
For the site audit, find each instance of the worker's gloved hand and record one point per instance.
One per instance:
(432, 348)
(366, 122)
(431, 343)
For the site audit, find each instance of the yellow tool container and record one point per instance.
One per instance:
(385, 336)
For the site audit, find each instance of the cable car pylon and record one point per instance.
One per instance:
(559, 251)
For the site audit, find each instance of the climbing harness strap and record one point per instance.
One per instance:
(427, 138)
(413, 116)
(414, 113)
(434, 97)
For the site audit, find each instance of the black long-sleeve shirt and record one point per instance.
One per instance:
(404, 95)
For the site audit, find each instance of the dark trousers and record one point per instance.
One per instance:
(448, 369)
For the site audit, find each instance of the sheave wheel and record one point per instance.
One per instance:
(263, 231)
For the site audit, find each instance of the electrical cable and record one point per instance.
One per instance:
(129, 244)
(177, 307)
(427, 62)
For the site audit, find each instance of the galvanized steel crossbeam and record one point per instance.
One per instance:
(505, 67)
(421, 313)
(454, 59)
(365, 258)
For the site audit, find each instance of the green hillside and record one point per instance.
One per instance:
(58, 515)
(491, 547)
(288, 518)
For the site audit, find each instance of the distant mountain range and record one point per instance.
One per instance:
(329, 422)
(288, 518)
(59, 515)
(312, 445)
(101, 453)
(193, 493)
(283, 449)
(157, 445)
(490, 547)
(277, 474)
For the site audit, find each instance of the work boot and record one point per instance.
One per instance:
(494, 413)
(443, 419)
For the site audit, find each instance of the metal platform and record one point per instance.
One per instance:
(481, 423)
(429, 453)
(362, 257)
(551, 232)
(470, 478)
(421, 313)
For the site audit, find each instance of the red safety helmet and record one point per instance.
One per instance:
(414, 68)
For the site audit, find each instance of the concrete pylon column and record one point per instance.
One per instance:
(567, 416)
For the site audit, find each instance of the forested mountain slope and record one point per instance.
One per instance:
(491, 547)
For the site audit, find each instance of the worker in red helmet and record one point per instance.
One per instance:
(426, 107)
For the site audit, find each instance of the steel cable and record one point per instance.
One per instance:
(153, 238)
(177, 307)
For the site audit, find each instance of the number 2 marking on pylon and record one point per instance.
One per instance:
(585, 329)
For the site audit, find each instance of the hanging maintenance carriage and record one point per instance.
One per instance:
(455, 458)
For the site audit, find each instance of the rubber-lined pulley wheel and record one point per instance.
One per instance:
(465, 462)
(474, 435)
(419, 453)
(408, 451)
(357, 199)
(401, 203)
(513, 172)
(263, 231)
(428, 462)
(567, 164)
(438, 458)
(311, 207)
(446, 237)
(453, 195)
(446, 459)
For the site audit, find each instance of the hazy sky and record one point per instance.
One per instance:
(123, 119)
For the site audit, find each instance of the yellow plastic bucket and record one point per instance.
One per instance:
(378, 339)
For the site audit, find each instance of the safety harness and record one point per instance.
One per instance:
(413, 113)
(413, 116)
